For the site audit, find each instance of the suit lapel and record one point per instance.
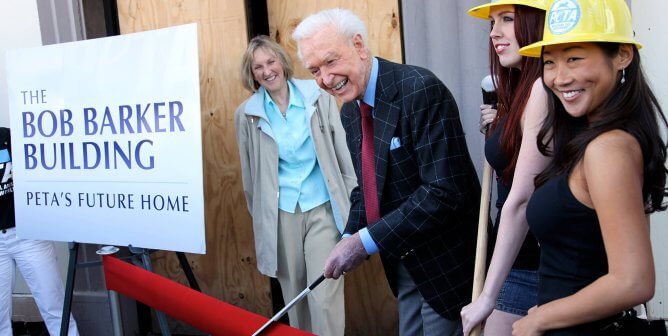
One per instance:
(385, 121)
(355, 125)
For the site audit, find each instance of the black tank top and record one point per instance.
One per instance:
(529, 255)
(571, 246)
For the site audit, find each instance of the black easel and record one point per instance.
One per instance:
(146, 261)
(185, 266)
(69, 288)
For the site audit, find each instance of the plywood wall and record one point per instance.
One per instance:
(228, 269)
(371, 308)
(380, 16)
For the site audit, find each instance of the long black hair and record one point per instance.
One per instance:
(631, 107)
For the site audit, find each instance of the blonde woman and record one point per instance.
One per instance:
(297, 177)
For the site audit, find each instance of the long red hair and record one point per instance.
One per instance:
(513, 86)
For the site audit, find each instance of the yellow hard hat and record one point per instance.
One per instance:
(569, 21)
(482, 11)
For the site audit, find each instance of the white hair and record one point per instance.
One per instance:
(344, 21)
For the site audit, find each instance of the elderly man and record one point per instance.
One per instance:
(417, 203)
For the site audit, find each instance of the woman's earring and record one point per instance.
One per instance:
(623, 77)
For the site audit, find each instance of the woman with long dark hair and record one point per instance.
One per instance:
(590, 209)
(512, 281)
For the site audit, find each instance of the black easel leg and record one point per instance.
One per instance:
(146, 260)
(185, 266)
(69, 288)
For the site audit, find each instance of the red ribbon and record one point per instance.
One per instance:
(183, 303)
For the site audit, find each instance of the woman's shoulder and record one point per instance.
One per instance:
(251, 104)
(536, 108)
(310, 88)
(616, 138)
(242, 107)
(612, 163)
(307, 87)
(311, 91)
(538, 92)
(613, 145)
(304, 82)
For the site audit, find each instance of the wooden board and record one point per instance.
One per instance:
(381, 18)
(228, 270)
(371, 309)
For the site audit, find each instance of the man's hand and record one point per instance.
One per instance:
(346, 256)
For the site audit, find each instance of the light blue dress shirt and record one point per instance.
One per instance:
(300, 180)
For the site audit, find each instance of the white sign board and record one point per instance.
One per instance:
(106, 141)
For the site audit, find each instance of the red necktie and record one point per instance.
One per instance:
(368, 166)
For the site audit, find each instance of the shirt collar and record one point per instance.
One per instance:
(293, 98)
(370, 93)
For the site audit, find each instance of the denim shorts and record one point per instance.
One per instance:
(519, 292)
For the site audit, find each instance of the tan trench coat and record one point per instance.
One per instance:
(259, 164)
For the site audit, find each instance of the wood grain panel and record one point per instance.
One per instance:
(371, 308)
(228, 270)
(381, 18)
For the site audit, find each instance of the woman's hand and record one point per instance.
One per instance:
(487, 116)
(528, 325)
(476, 312)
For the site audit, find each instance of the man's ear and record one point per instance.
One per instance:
(624, 56)
(360, 47)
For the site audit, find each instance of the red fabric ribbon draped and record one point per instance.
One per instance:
(201, 311)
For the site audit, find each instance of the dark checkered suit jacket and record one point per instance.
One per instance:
(428, 188)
